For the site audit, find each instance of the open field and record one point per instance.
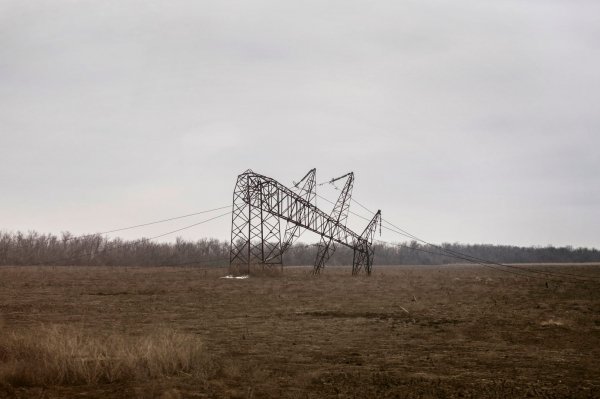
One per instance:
(406, 331)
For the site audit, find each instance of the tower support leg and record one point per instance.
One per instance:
(255, 234)
(325, 249)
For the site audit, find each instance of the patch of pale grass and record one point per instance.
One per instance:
(552, 323)
(66, 355)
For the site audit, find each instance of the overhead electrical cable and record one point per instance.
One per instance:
(458, 257)
(463, 256)
(148, 223)
(131, 244)
(472, 258)
(475, 259)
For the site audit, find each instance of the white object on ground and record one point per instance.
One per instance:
(236, 277)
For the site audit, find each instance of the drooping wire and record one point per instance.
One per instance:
(457, 257)
(131, 244)
(478, 260)
(419, 249)
(146, 224)
(466, 257)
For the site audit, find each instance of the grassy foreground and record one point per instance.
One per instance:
(405, 332)
(70, 355)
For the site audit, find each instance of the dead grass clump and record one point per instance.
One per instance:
(64, 355)
(552, 323)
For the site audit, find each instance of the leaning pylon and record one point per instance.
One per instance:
(307, 191)
(326, 246)
(260, 202)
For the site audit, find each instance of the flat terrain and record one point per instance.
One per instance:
(406, 331)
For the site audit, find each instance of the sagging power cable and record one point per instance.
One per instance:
(462, 256)
(132, 244)
(147, 224)
(457, 257)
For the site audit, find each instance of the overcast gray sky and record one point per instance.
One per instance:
(464, 121)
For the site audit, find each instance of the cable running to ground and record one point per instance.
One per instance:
(462, 256)
(475, 259)
(458, 257)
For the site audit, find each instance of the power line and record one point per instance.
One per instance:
(189, 226)
(462, 256)
(147, 224)
(131, 244)
(349, 211)
(475, 259)
(481, 261)
(458, 257)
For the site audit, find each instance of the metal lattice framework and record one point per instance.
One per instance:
(260, 202)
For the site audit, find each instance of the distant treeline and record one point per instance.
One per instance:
(94, 250)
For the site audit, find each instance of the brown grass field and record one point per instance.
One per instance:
(405, 332)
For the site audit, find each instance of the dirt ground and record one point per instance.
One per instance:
(404, 332)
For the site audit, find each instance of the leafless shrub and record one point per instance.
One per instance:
(32, 248)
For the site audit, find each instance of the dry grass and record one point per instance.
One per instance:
(66, 355)
(407, 332)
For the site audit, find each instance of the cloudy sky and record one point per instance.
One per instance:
(464, 121)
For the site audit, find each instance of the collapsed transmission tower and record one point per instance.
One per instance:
(260, 203)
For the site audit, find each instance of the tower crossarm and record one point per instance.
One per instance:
(280, 201)
(307, 191)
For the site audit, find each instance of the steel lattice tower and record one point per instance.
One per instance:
(260, 202)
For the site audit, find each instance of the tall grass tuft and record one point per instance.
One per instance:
(66, 355)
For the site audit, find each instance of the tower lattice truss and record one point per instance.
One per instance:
(261, 205)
